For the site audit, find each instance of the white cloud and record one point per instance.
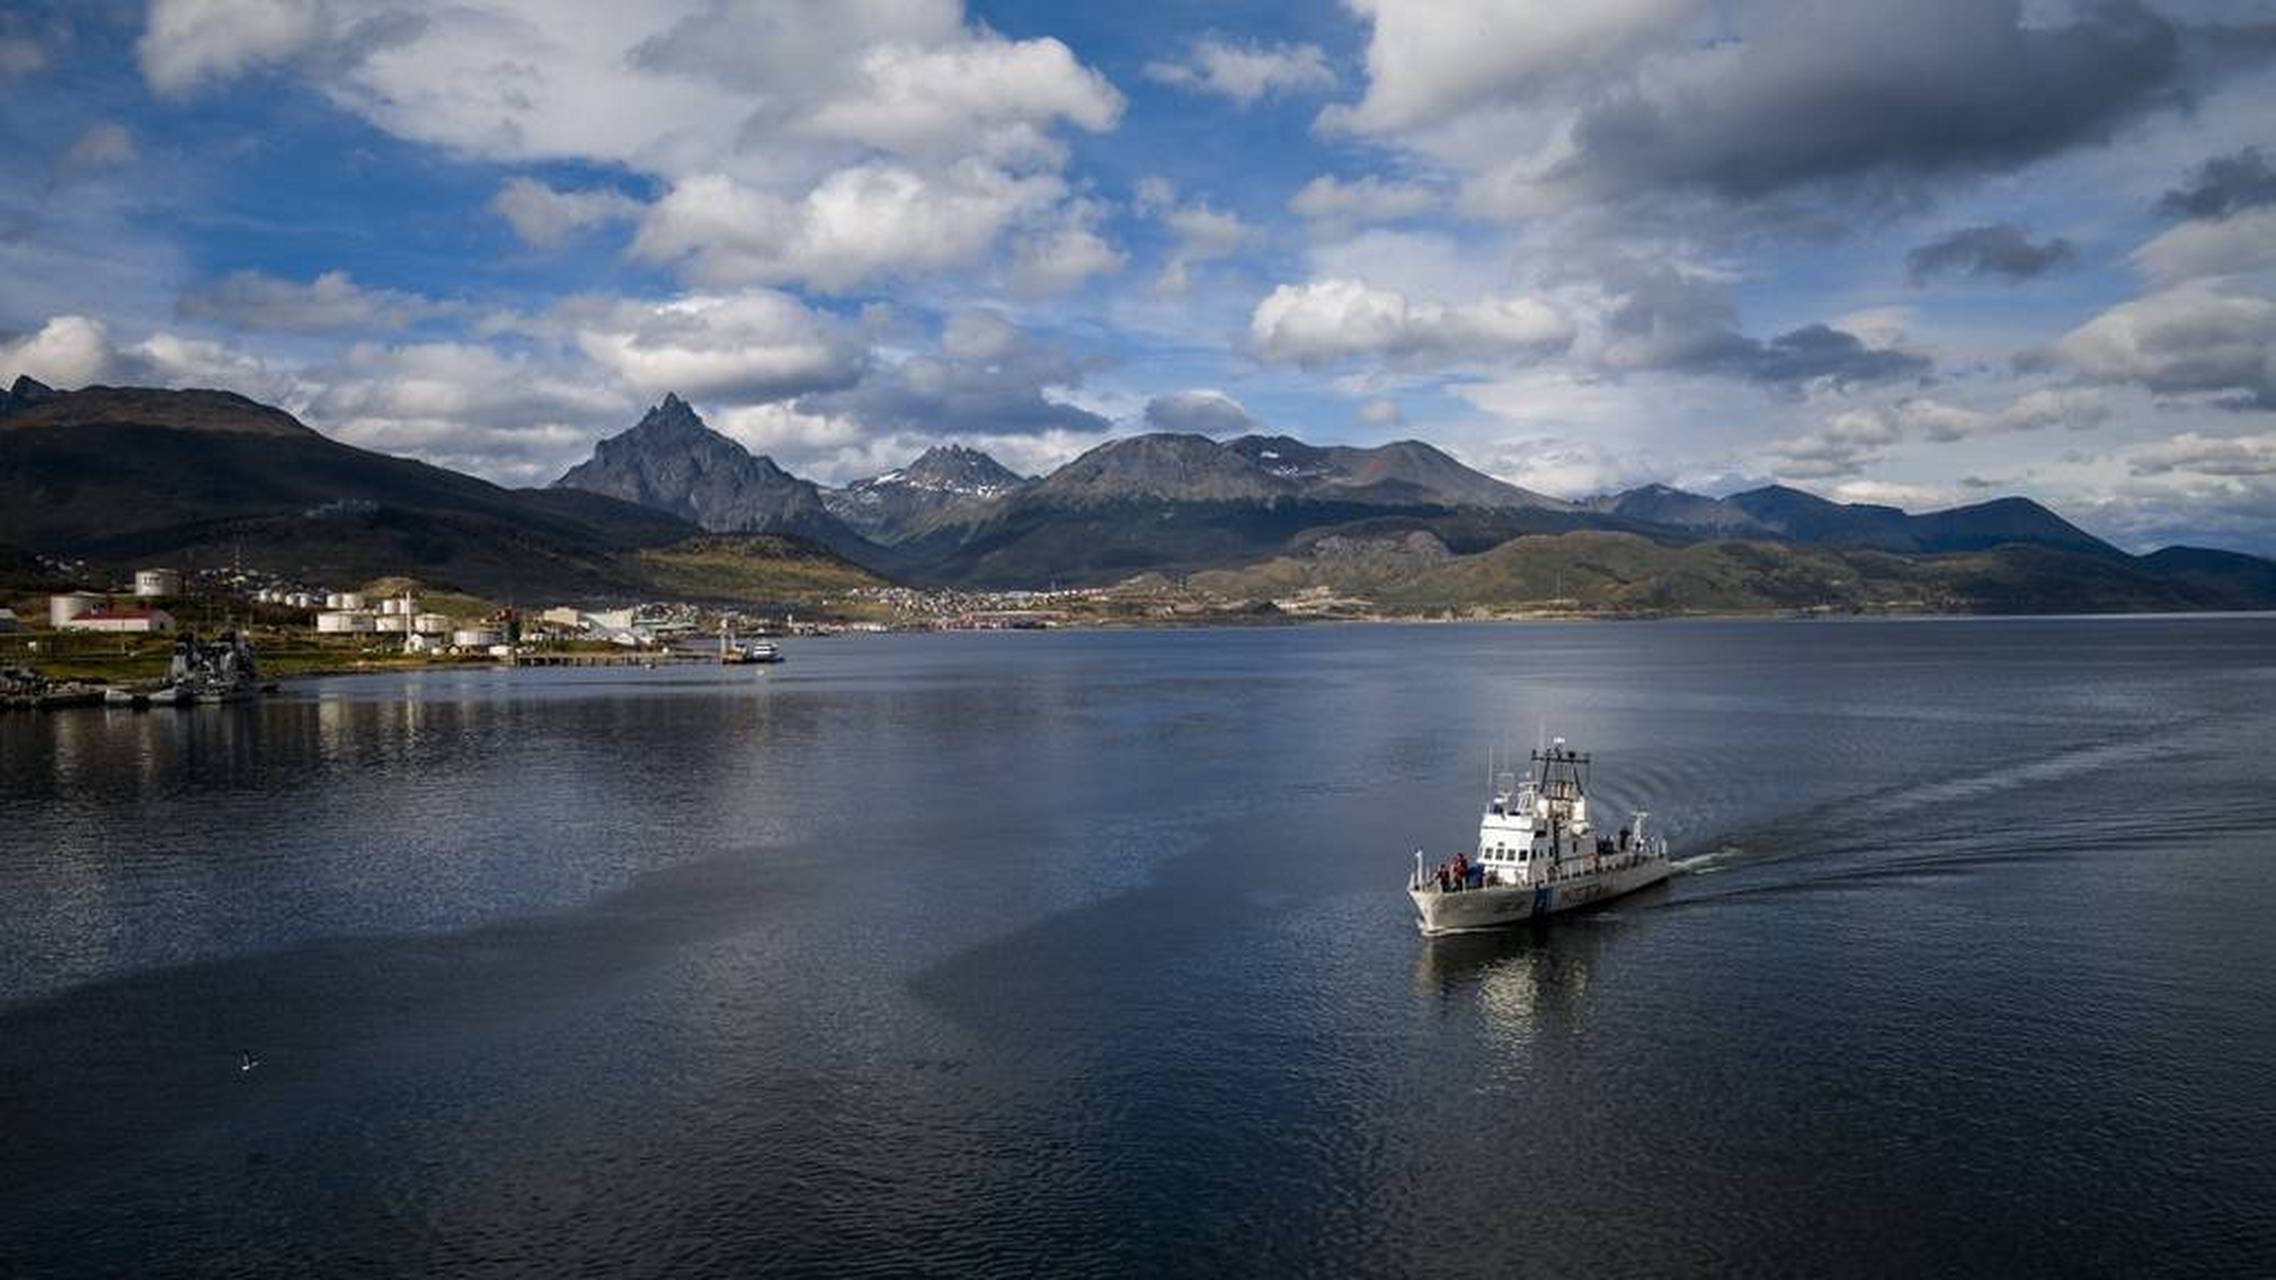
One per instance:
(2191, 338)
(2245, 455)
(754, 345)
(1246, 72)
(1203, 235)
(1846, 444)
(331, 303)
(189, 42)
(2242, 243)
(67, 351)
(546, 218)
(859, 224)
(1368, 199)
(1427, 58)
(1063, 255)
(1199, 411)
(1330, 320)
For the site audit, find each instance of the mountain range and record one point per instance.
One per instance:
(133, 474)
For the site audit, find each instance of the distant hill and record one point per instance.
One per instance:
(670, 461)
(1673, 508)
(1173, 502)
(1597, 570)
(121, 475)
(904, 502)
(2225, 579)
(1403, 473)
(1806, 517)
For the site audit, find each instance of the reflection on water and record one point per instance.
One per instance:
(1087, 953)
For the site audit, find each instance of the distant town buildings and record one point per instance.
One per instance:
(151, 583)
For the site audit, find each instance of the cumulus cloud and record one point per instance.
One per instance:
(546, 218)
(2224, 185)
(1740, 101)
(331, 303)
(1847, 444)
(757, 344)
(2238, 244)
(1662, 319)
(858, 224)
(2246, 455)
(1246, 72)
(1996, 250)
(1368, 199)
(1200, 411)
(1326, 321)
(800, 141)
(1058, 257)
(518, 419)
(67, 351)
(189, 42)
(1203, 234)
(2192, 338)
(987, 378)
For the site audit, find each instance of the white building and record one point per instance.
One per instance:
(120, 620)
(157, 582)
(63, 608)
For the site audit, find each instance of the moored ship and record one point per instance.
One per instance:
(1538, 853)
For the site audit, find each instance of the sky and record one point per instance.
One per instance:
(1925, 254)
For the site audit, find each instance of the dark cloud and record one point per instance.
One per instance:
(1667, 320)
(2223, 185)
(1821, 352)
(1814, 94)
(987, 380)
(1997, 249)
(1208, 413)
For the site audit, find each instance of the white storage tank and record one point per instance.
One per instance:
(394, 622)
(390, 606)
(351, 599)
(431, 624)
(69, 605)
(301, 600)
(475, 638)
(343, 622)
(157, 582)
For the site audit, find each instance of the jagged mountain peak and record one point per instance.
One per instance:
(672, 461)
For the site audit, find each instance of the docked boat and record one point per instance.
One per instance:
(1539, 852)
(737, 655)
(223, 671)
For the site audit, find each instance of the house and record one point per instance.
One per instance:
(121, 620)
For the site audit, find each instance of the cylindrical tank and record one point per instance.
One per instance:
(474, 638)
(431, 624)
(343, 621)
(351, 599)
(390, 606)
(157, 582)
(69, 605)
(301, 600)
(394, 622)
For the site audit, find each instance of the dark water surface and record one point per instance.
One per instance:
(1085, 954)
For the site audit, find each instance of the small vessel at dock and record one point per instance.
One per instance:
(1538, 853)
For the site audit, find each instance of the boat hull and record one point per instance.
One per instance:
(1501, 906)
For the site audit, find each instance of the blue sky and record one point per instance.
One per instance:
(1923, 254)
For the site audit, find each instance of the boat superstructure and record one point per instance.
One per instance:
(1539, 851)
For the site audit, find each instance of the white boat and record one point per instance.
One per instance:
(1538, 853)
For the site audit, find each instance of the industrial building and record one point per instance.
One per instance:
(120, 620)
(151, 583)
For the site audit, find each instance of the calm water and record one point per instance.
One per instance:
(1085, 954)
